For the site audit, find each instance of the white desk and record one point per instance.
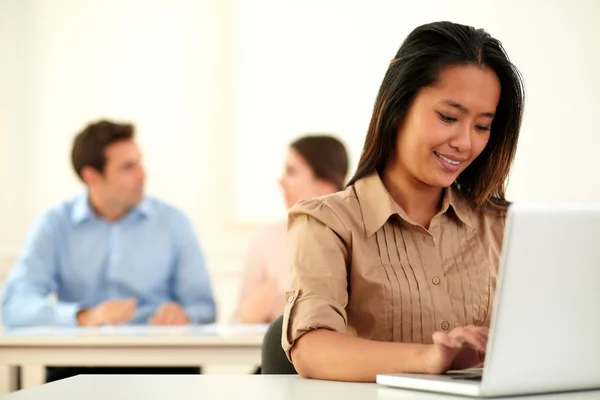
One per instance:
(35, 348)
(238, 387)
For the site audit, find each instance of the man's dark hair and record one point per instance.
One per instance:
(89, 145)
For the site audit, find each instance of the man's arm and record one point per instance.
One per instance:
(25, 301)
(191, 284)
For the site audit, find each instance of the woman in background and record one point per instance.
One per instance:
(315, 166)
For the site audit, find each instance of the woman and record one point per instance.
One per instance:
(397, 273)
(315, 166)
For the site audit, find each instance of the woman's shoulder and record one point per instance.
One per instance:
(494, 216)
(337, 202)
(491, 220)
(488, 219)
(340, 210)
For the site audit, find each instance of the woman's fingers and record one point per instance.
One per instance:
(446, 340)
(481, 331)
(471, 337)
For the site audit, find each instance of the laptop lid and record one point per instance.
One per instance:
(545, 333)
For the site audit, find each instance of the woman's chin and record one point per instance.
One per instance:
(442, 181)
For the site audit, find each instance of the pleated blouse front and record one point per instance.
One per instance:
(360, 266)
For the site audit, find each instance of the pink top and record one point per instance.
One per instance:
(266, 275)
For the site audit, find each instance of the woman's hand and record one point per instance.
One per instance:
(461, 348)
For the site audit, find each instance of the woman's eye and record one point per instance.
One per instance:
(482, 128)
(446, 118)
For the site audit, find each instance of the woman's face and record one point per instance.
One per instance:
(447, 125)
(299, 182)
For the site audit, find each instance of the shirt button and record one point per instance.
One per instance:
(291, 299)
(445, 325)
(436, 281)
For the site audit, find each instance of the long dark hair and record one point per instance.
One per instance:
(425, 52)
(326, 156)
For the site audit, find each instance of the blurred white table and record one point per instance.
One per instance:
(35, 348)
(238, 387)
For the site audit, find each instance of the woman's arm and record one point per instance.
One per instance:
(324, 354)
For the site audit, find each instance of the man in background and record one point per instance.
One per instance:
(111, 255)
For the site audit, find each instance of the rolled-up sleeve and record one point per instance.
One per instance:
(318, 251)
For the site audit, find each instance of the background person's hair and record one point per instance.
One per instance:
(326, 156)
(90, 144)
(424, 54)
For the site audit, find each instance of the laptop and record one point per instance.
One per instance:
(545, 329)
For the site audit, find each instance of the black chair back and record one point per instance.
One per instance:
(274, 360)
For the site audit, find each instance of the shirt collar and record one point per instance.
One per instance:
(143, 209)
(461, 207)
(378, 206)
(82, 210)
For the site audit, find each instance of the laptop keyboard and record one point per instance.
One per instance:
(468, 378)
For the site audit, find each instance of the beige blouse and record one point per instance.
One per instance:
(360, 266)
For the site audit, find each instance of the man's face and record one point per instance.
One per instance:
(122, 183)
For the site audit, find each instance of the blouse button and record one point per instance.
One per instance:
(291, 299)
(436, 281)
(445, 325)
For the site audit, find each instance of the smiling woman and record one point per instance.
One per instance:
(397, 273)
(446, 128)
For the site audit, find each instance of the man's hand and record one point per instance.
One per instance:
(462, 348)
(169, 314)
(111, 312)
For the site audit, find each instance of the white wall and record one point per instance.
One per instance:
(11, 144)
(12, 186)
(217, 88)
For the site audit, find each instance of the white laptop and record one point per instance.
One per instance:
(545, 331)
